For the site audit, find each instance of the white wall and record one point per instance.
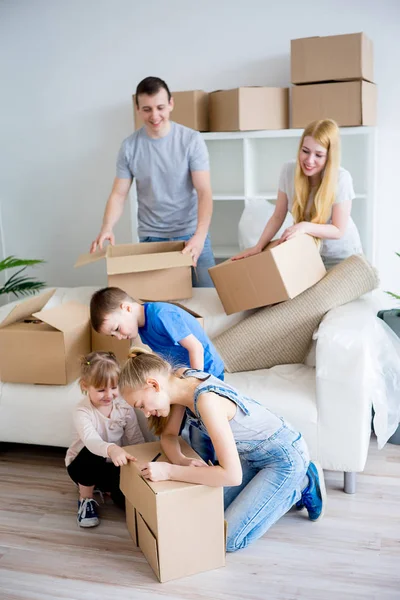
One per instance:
(67, 72)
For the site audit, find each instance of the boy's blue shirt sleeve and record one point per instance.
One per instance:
(173, 325)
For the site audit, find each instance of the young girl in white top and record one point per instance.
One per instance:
(319, 193)
(103, 422)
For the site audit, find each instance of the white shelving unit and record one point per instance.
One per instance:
(246, 165)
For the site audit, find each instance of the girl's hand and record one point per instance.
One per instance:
(119, 456)
(249, 252)
(156, 471)
(192, 462)
(291, 232)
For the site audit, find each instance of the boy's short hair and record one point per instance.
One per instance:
(151, 86)
(104, 302)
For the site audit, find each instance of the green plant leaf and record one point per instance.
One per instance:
(11, 262)
(24, 287)
(393, 295)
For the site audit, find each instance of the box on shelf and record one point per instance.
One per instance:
(280, 272)
(332, 58)
(178, 526)
(349, 103)
(109, 343)
(190, 109)
(249, 109)
(43, 346)
(155, 270)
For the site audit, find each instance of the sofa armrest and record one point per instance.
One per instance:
(345, 374)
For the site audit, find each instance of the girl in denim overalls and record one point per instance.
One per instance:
(261, 461)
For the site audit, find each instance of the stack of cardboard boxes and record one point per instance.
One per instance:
(333, 79)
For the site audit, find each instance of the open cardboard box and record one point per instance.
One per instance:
(43, 346)
(178, 526)
(278, 273)
(155, 270)
(109, 343)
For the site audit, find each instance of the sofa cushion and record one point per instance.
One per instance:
(282, 334)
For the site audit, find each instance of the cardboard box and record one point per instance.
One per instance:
(280, 272)
(349, 103)
(178, 526)
(190, 109)
(108, 343)
(332, 58)
(43, 346)
(249, 108)
(155, 270)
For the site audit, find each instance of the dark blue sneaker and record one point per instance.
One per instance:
(87, 513)
(313, 497)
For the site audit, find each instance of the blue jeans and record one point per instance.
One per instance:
(273, 473)
(200, 276)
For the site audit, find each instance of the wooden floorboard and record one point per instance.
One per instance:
(352, 554)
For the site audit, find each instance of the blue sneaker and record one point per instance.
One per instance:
(313, 497)
(87, 513)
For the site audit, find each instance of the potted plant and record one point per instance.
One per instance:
(19, 284)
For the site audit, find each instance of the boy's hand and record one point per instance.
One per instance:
(119, 456)
(156, 471)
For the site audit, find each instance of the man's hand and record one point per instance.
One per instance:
(194, 246)
(119, 456)
(104, 235)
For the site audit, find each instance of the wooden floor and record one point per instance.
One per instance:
(353, 553)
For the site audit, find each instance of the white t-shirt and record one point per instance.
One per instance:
(97, 432)
(332, 251)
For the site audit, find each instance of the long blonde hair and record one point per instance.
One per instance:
(325, 133)
(140, 365)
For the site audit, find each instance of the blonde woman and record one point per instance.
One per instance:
(318, 192)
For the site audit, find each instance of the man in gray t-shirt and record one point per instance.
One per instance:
(170, 165)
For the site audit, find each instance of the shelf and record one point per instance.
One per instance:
(225, 251)
(278, 133)
(228, 197)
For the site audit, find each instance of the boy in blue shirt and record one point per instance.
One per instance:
(167, 329)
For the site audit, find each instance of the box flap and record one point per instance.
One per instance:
(147, 262)
(26, 308)
(65, 316)
(88, 258)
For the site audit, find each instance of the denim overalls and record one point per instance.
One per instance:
(274, 461)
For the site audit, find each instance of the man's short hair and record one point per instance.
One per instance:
(151, 86)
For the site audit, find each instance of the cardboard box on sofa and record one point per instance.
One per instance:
(109, 343)
(278, 273)
(190, 109)
(349, 103)
(249, 108)
(332, 58)
(178, 526)
(155, 271)
(43, 346)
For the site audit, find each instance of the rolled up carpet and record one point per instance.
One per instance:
(282, 334)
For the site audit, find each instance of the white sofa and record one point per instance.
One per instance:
(328, 398)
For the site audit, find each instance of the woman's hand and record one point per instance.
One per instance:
(249, 252)
(291, 232)
(156, 471)
(119, 456)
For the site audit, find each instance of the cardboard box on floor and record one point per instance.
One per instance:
(332, 58)
(280, 272)
(249, 108)
(349, 103)
(190, 109)
(108, 343)
(178, 526)
(156, 271)
(43, 346)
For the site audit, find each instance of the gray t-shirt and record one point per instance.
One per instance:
(162, 167)
(332, 251)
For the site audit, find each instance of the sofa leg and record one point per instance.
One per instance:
(350, 482)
